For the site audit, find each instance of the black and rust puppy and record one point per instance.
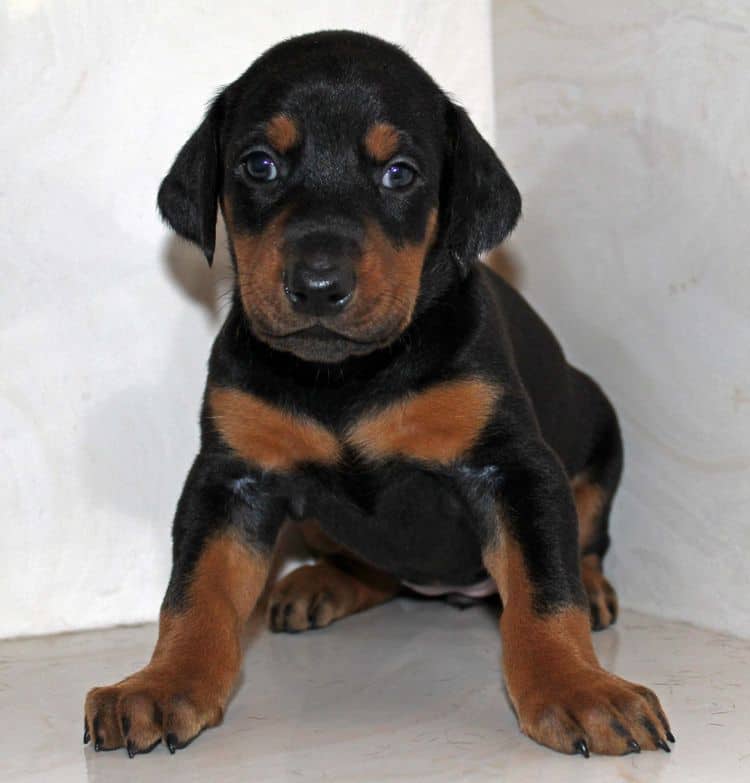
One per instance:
(376, 384)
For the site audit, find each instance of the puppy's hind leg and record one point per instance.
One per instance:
(593, 492)
(339, 584)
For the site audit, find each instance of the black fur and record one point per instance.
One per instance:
(357, 199)
(421, 523)
(482, 201)
(188, 195)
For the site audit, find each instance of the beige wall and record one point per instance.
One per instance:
(105, 319)
(627, 128)
(624, 124)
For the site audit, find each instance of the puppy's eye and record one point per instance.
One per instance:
(260, 166)
(398, 174)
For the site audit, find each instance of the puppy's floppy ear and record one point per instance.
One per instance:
(188, 194)
(481, 202)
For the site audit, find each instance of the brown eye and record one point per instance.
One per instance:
(398, 174)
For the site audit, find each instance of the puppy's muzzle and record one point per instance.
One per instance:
(319, 274)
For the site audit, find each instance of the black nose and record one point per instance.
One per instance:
(319, 277)
(319, 287)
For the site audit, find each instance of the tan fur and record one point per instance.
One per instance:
(317, 541)
(185, 686)
(381, 141)
(439, 424)
(558, 689)
(600, 592)
(267, 436)
(388, 282)
(314, 596)
(260, 271)
(589, 499)
(282, 132)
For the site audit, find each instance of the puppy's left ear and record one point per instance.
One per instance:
(481, 202)
(189, 193)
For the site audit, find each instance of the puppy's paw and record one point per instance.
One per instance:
(146, 708)
(312, 596)
(595, 712)
(602, 596)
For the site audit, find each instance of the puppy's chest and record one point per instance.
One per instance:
(435, 426)
(383, 485)
(405, 519)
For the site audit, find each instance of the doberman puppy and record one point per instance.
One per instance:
(378, 386)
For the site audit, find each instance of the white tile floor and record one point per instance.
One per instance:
(407, 692)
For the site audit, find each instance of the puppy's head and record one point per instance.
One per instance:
(354, 193)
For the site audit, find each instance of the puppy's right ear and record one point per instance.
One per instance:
(189, 193)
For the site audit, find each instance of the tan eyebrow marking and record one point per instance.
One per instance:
(381, 141)
(282, 132)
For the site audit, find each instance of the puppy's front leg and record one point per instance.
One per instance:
(562, 696)
(223, 533)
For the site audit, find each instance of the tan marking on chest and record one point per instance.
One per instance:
(268, 436)
(437, 425)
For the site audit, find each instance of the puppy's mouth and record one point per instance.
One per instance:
(323, 333)
(319, 343)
